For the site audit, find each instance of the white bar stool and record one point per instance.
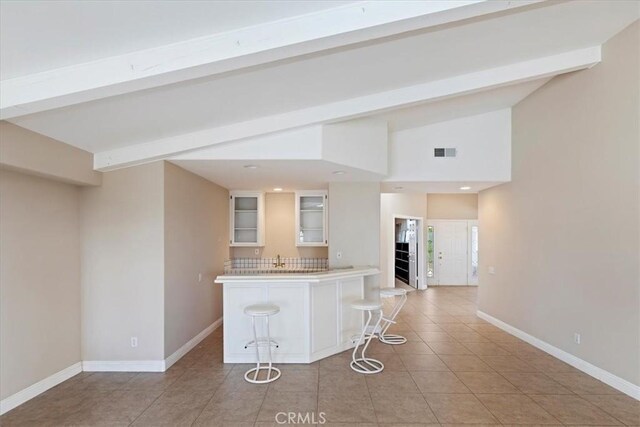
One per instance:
(387, 321)
(262, 310)
(364, 364)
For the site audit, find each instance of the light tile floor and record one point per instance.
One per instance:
(455, 369)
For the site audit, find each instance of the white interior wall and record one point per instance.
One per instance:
(123, 265)
(35, 154)
(354, 224)
(562, 237)
(39, 280)
(196, 227)
(358, 143)
(483, 144)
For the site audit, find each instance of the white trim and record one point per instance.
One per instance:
(325, 213)
(598, 373)
(422, 259)
(123, 365)
(149, 365)
(191, 344)
(471, 281)
(41, 386)
(435, 280)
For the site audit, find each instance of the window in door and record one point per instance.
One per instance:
(430, 247)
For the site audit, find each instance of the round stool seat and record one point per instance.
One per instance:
(392, 292)
(261, 309)
(366, 304)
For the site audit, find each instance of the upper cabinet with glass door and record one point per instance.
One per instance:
(311, 218)
(246, 218)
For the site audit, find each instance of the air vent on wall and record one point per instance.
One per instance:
(444, 152)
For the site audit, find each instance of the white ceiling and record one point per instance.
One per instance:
(436, 187)
(37, 36)
(460, 106)
(290, 175)
(40, 35)
(308, 81)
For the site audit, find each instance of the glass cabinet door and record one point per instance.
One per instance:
(311, 208)
(246, 215)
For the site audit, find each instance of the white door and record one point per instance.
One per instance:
(451, 252)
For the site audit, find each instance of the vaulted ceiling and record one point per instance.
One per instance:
(132, 82)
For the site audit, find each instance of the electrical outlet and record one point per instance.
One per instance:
(576, 338)
(492, 270)
(339, 255)
(134, 342)
(199, 277)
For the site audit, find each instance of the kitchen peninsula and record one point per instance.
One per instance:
(315, 319)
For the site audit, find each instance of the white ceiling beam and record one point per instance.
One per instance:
(224, 52)
(540, 68)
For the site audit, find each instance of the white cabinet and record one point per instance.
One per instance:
(315, 318)
(311, 218)
(246, 218)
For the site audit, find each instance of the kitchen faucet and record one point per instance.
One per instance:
(278, 263)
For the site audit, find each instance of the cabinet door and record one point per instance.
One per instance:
(246, 220)
(311, 218)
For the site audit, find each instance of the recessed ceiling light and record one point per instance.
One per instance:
(466, 187)
(338, 172)
(250, 166)
(277, 189)
(398, 188)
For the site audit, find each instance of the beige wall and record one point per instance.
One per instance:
(123, 265)
(39, 279)
(33, 153)
(452, 206)
(564, 234)
(196, 227)
(354, 225)
(280, 233)
(414, 205)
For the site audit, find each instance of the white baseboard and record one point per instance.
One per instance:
(191, 344)
(123, 365)
(148, 365)
(32, 391)
(606, 377)
(41, 386)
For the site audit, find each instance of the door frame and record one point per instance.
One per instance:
(433, 281)
(470, 280)
(422, 258)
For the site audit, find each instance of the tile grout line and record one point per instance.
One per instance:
(212, 396)
(423, 396)
(264, 397)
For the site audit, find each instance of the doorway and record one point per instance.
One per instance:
(452, 252)
(409, 261)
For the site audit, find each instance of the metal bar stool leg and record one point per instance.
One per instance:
(255, 340)
(368, 341)
(364, 364)
(269, 347)
(384, 337)
(273, 373)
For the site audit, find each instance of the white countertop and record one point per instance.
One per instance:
(321, 276)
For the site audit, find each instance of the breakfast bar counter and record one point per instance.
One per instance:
(315, 319)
